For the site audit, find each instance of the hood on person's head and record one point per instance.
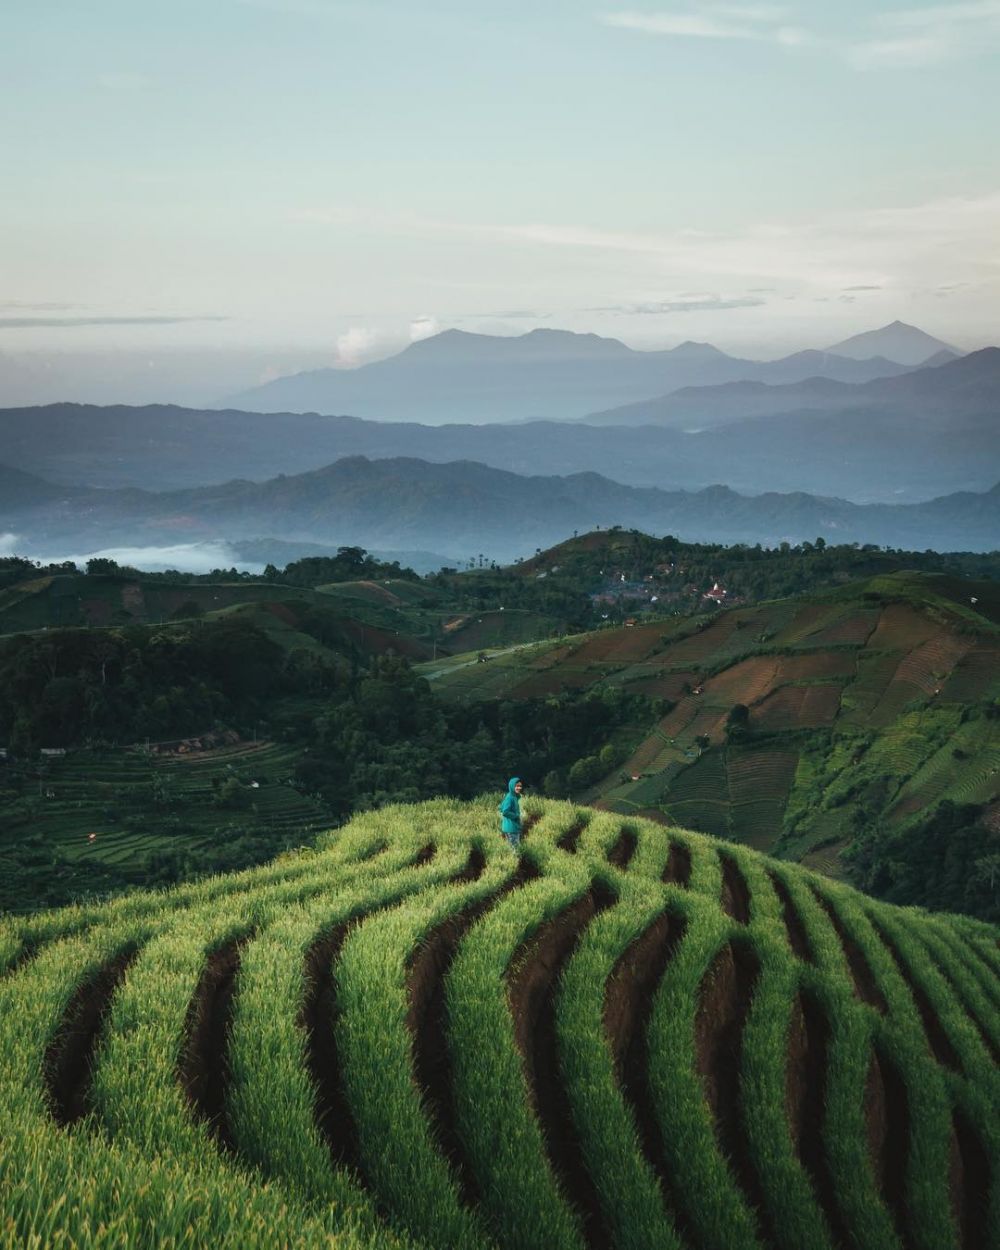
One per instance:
(512, 783)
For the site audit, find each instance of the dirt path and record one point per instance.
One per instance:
(453, 668)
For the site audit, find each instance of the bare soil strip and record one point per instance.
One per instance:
(724, 998)
(427, 1020)
(27, 952)
(735, 892)
(888, 1119)
(970, 1184)
(621, 853)
(970, 1012)
(424, 855)
(531, 990)
(865, 986)
(570, 840)
(990, 982)
(203, 1070)
(628, 1002)
(317, 1019)
(69, 1057)
(678, 869)
(805, 1100)
(938, 1039)
(794, 927)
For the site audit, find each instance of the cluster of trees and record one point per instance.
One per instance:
(950, 862)
(348, 565)
(385, 737)
(72, 687)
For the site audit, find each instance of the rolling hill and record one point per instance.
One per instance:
(863, 709)
(463, 507)
(411, 1037)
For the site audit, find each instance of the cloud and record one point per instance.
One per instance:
(24, 305)
(24, 323)
(923, 36)
(754, 22)
(905, 38)
(424, 328)
(8, 544)
(353, 345)
(713, 303)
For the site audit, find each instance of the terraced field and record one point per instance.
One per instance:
(88, 804)
(627, 1037)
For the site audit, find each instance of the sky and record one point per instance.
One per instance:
(200, 196)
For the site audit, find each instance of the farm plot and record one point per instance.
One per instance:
(975, 676)
(627, 1036)
(798, 707)
(902, 628)
(759, 785)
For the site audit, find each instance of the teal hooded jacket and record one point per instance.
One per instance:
(510, 809)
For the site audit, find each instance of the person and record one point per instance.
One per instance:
(510, 812)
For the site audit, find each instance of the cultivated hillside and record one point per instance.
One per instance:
(802, 726)
(629, 1037)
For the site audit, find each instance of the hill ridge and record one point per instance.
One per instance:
(511, 1038)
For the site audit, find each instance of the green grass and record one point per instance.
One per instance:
(410, 1036)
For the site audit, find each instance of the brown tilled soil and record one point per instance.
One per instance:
(796, 930)
(805, 1103)
(621, 853)
(532, 982)
(69, 1057)
(570, 840)
(203, 1069)
(424, 855)
(888, 1119)
(678, 867)
(427, 1021)
(628, 1002)
(865, 986)
(970, 1184)
(317, 1019)
(735, 892)
(724, 998)
(940, 1043)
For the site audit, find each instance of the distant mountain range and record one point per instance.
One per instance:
(558, 375)
(937, 390)
(924, 433)
(463, 508)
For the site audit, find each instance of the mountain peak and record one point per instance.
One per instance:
(897, 341)
(689, 348)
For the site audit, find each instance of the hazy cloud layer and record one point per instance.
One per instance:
(185, 557)
(62, 323)
(706, 304)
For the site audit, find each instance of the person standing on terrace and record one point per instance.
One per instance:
(510, 813)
